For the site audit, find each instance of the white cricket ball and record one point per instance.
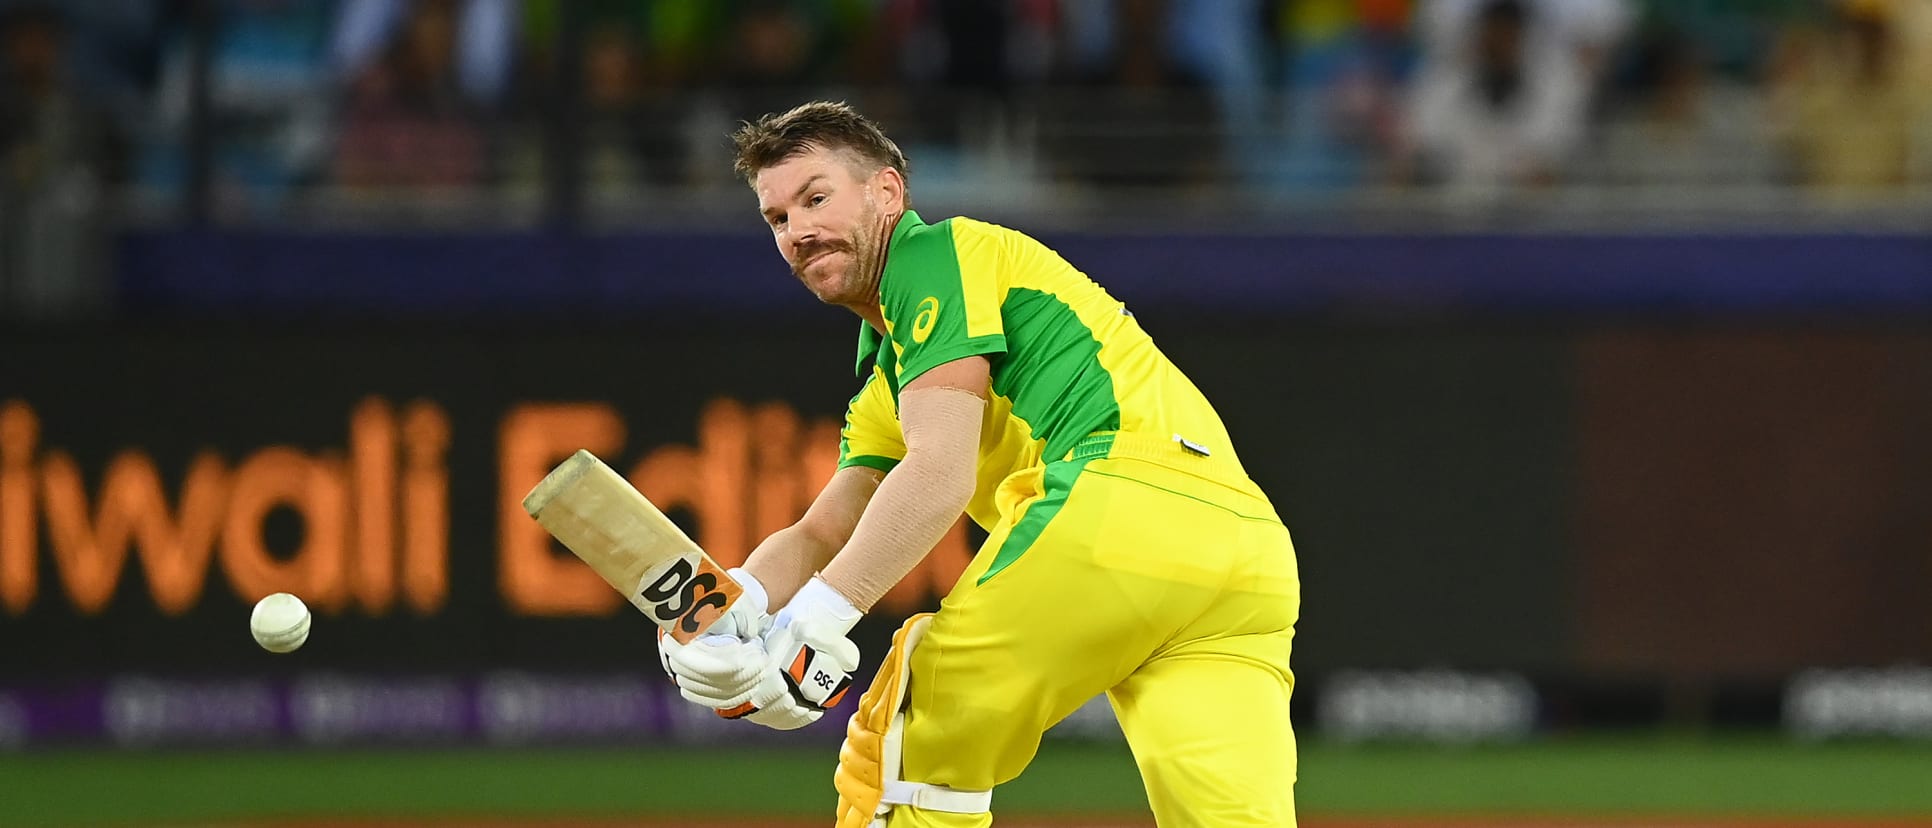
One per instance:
(280, 623)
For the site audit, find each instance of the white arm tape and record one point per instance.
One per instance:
(918, 501)
(937, 798)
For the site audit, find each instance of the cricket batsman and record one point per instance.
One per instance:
(1127, 552)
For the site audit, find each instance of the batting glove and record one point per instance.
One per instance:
(809, 647)
(726, 661)
(785, 680)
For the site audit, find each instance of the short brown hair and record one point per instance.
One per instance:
(833, 125)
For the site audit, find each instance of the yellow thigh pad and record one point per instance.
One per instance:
(860, 778)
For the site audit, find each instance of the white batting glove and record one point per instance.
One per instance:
(772, 703)
(805, 663)
(808, 646)
(721, 668)
(785, 680)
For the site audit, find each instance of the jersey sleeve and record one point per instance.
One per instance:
(942, 297)
(872, 436)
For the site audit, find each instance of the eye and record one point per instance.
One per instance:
(817, 200)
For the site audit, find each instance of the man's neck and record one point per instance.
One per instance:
(870, 312)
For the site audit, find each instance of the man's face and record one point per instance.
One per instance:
(828, 221)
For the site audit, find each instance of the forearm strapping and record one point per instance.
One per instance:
(918, 501)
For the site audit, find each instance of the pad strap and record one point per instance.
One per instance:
(937, 798)
(927, 796)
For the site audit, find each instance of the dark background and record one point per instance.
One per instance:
(1641, 420)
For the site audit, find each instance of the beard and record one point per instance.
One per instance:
(855, 282)
(829, 288)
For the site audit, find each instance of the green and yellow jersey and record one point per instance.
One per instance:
(1068, 360)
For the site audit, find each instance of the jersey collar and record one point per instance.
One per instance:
(869, 342)
(869, 339)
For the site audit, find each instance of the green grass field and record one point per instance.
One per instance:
(1613, 779)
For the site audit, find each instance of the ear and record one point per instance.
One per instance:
(891, 187)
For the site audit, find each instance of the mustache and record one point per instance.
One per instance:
(806, 254)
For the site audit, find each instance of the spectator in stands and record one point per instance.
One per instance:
(1217, 46)
(268, 101)
(1137, 118)
(1687, 116)
(1850, 109)
(769, 53)
(54, 142)
(614, 128)
(406, 123)
(1585, 32)
(1344, 66)
(1503, 97)
(633, 132)
(964, 67)
(35, 95)
(482, 50)
(792, 45)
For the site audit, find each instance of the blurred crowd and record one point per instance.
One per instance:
(258, 101)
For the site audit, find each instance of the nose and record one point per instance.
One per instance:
(803, 231)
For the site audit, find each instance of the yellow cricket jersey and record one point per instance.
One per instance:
(1068, 360)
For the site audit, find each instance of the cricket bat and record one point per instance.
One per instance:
(610, 525)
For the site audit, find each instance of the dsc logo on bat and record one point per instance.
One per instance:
(687, 597)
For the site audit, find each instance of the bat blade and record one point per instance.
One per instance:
(632, 545)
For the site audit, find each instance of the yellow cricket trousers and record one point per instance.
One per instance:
(1139, 569)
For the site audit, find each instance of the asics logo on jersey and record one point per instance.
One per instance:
(928, 314)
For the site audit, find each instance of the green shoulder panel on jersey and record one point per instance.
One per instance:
(963, 287)
(1057, 384)
(938, 305)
